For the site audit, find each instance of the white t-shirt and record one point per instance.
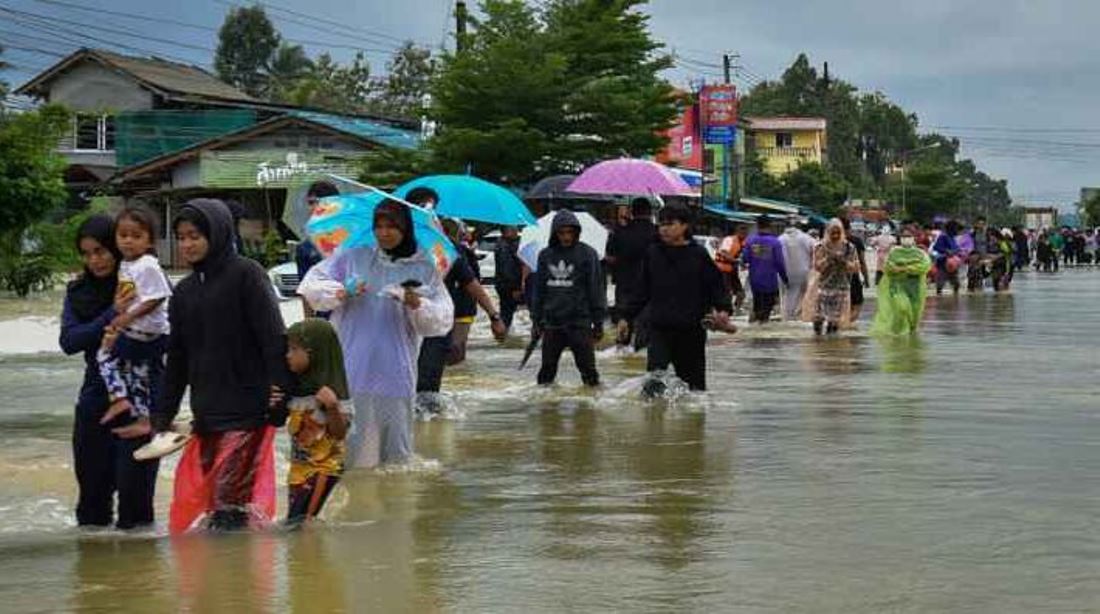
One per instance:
(151, 283)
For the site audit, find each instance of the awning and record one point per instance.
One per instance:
(731, 215)
(768, 205)
(690, 177)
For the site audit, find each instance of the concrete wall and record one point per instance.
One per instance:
(93, 87)
(806, 146)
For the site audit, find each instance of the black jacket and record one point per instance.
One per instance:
(680, 285)
(228, 342)
(508, 275)
(569, 285)
(628, 246)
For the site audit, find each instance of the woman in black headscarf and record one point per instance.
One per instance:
(103, 461)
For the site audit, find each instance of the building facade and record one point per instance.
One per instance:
(785, 143)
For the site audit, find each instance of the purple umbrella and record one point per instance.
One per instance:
(631, 176)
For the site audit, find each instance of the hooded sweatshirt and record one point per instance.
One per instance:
(681, 284)
(228, 341)
(764, 255)
(569, 287)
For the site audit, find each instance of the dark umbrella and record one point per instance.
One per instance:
(530, 349)
(554, 188)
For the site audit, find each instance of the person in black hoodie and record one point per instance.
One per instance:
(685, 293)
(626, 249)
(508, 277)
(228, 344)
(570, 301)
(103, 461)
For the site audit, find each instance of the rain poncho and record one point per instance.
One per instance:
(381, 339)
(798, 256)
(902, 292)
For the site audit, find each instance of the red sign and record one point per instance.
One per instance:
(719, 104)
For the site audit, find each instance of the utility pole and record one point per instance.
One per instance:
(461, 17)
(732, 165)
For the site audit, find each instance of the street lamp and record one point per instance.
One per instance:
(904, 163)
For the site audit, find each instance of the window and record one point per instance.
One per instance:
(94, 132)
(784, 140)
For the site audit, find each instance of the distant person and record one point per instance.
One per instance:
(681, 287)
(728, 259)
(306, 255)
(569, 301)
(979, 256)
(836, 263)
(798, 258)
(626, 249)
(903, 289)
(947, 257)
(508, 278)
(882, 243)
(763, 254)
(860, 278)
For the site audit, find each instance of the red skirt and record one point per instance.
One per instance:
(225, 473)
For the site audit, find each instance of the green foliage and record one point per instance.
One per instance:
(389, 167)
(538, 91)
(815, 186)
(269, 250)
(247, 44)
(289, 66)
(1090, 210)
(33, 259)
(869, 139)
(31, 173)
(410, 76)
(330, 85)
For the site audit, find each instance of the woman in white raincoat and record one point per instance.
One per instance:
(384, 299)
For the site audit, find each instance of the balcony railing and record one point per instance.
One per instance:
(789, 152)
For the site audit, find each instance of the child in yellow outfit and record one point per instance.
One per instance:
(319, 414)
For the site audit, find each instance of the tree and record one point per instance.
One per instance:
(498, 100)
(31, 187)
(538, 92)
(247, 44)
(1090, 210)
(341, 88)
(389, 167)
(289, 66)
(815, 186)
(615, 101)
(409, 81)
(31, 172)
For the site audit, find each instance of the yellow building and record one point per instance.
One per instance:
(784, 143)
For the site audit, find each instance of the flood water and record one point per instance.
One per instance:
(960, 472)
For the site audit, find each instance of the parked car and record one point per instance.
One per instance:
(284, 279)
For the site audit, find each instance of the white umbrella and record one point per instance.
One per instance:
(535, 238)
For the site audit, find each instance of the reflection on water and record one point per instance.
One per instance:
(951, 471)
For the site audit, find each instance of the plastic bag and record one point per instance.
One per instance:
(225, 481)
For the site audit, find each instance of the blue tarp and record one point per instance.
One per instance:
(365, 128)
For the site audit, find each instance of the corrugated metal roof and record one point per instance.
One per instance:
(786, 123)
(730, 214)
(371, 130)
(771, 205)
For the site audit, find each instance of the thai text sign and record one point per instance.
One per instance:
(272, 169)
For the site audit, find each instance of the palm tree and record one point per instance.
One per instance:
(288, 66)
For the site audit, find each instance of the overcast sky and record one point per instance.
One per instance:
(1018, 81)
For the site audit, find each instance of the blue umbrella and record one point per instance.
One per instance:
(347, 221)
(472, 199)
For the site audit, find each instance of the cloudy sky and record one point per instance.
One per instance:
(1018, 81)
